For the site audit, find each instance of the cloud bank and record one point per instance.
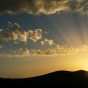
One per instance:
(32, 6)
(43, 6)
(57, 50)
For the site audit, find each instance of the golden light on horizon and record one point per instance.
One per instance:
(27, 65)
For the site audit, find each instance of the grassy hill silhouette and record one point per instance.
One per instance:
(79, 78)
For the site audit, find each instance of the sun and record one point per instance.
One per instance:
(83, 60)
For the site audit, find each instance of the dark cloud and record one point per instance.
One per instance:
(80, 6)
(73, 5)
(32, 6)
(84, 6)
(43, 6)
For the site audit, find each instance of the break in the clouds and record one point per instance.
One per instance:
(16, 34)
(43, 6)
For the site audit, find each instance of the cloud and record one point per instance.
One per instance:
(35, 35)
(4, 35)
(23, 52)
(57, 50)
(43, 6)
(16, 34)
(32, 6)
(1, 46)
(15, 27)
(80, 6)
(23, 37)
(46, 41)
(12, 35)
(83, 6)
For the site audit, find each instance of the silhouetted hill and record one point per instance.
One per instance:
(61, 78)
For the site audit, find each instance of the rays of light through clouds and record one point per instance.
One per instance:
(41, 36)
(17, 35)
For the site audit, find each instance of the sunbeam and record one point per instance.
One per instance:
(42, 36)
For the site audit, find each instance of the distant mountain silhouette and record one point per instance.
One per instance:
(61, 78)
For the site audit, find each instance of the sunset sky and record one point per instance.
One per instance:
(42, 36)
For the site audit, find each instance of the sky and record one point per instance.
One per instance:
(42, 36)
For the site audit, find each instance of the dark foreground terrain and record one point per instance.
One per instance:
(77, 79)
